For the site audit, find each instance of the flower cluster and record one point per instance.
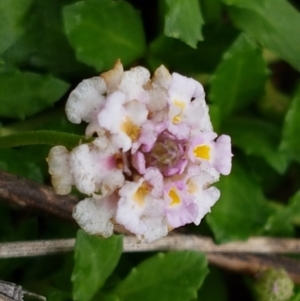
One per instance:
(154, 158)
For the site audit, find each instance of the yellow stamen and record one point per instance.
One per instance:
(174, 196)
(202, 152)
(176, 119)
(180, 104)
(130, 128)
(140, 194)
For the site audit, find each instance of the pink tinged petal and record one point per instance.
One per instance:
(223, 154)
(199, 91)
(96, 167)
(205, 200)
(198, 182)
(123, 120)
(156, 181)
(178, 168)
(198, 117)
(181, 209)
(149, 133)
(141, 213)
(201, 148)
(131, 205)
(200, 176)
(181, 88)
(139, 163)
(154, 220)
(94, 216)
(86, 100)
(59, 169)
(180, 131)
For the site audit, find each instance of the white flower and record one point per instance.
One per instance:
(154, 157)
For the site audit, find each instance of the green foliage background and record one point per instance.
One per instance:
(247, 56)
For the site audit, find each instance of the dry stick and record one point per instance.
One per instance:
(230, 256)
(233, 256)
(257, 245)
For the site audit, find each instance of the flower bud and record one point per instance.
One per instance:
(273, 285)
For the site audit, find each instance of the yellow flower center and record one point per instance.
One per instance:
(130, 129)
(140, 194)
(174, 197)
(202, 152)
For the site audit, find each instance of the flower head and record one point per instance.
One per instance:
(154, 156)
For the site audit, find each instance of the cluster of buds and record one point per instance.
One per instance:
(154, 156)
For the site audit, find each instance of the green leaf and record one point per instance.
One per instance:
(175, 276)
(12, 13)
(95, 259)
(211, 10)
(44, 45)
(273, 23)
(282, 222)
(25, 94)
(240, 77)
(183, 21)
(103, 31)
(241, 210)
(291, 129)
(186, 60)
(258, 138)
(295, 297)
(21, 163)
(213, 287)
(274, 104)
(58, 295)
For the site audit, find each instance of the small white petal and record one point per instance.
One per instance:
(132, 84)
(86, 100)
(94, 216)
(59, 169)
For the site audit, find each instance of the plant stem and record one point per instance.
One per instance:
(41, 137)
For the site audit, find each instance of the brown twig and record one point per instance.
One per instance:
(15, 190)
(252, 264)
(233, 256)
